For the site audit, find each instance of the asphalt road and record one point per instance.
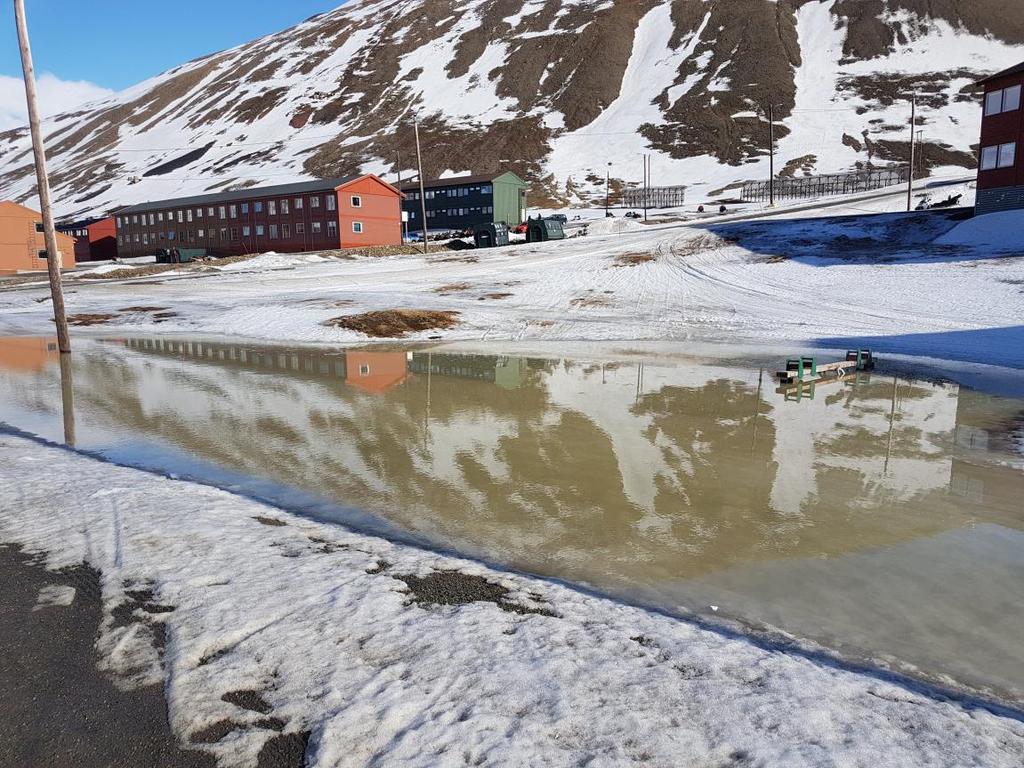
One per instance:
(56, 708)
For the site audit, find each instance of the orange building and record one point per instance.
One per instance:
(375, 372)
(26, 354)
(22, 245)
(369, 213)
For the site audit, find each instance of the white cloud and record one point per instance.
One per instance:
(55, 95)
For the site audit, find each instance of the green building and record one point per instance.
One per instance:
(462, 202)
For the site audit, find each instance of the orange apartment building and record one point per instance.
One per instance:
(22, 244)
(351, 212)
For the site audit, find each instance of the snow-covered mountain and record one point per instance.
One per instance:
(558, 90)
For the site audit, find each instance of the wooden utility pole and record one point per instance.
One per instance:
(423, 193)
(771, 155)
(53, 257)
(913, 136)
(647, 180)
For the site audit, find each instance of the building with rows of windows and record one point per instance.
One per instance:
(463, 202)
(353, 212)
(1001, 165)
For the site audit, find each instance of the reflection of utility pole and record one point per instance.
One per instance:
(892, 419)
(426, 419)
(639, 380)
(757, 409)
(67, 396)
(53, 256)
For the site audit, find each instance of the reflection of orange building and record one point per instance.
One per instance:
(26, 354)
(375, 372)
(22, 244)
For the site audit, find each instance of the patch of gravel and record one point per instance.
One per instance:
(457, 588)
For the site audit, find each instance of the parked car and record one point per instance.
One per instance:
(520, 229)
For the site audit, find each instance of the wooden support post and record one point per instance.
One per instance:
(53, 256)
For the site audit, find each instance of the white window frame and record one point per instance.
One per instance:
(1002, 100)
(271, 207)
(314, 201)
(357, 227)
(1012, 96)
(1007, 155)
(989, 158)
(357, 201)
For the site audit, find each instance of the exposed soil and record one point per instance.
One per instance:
(128, 272)
(457, 588)
(247, 699)
(287, 750)
(85, 319)
(396, 323)
(143, 309)
(495, 296)
(270, 521)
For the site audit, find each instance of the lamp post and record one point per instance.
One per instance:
(607, 187)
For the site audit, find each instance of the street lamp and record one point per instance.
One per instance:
(607, 186)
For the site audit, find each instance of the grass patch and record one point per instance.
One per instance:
(590, 301)
(396, 323)
(495, 296)
(444, 290)
(86, 319)
(634, 259)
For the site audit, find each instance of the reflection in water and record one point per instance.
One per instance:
(67, 398)
(876, 515)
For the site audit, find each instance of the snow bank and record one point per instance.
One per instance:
(319, 622)
(613, 226)
(272, 260)
(998, 231)
(104, 269)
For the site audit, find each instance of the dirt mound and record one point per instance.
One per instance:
(396, 323)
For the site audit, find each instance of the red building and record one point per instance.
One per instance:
(353, 212)
(95, 239)
(1001, 162)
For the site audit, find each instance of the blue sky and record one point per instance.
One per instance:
(84, 48)
(116, 43)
